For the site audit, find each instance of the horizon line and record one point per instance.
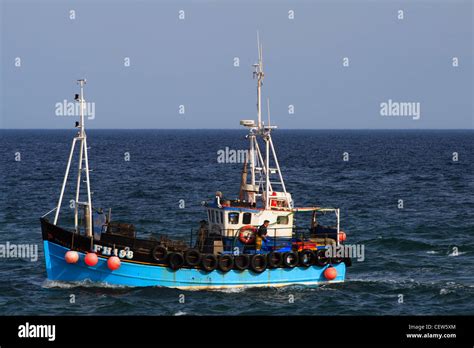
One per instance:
(280, 129)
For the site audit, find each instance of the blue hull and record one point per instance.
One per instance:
(136, 274)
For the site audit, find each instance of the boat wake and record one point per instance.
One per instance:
(52, 284)
(230, 290)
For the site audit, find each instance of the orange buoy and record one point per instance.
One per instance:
(91, 259)
(342, 236)
(330, 273)
(71, 256)
(113, 263)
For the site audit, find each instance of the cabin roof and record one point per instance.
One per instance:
(255, 210)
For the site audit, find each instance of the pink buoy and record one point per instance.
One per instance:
(330, 273)
(342, 236)
(71, 256)
(91, 259)
(113, 263)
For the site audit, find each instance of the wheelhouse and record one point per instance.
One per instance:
(228, 218)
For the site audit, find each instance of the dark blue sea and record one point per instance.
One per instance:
(424, 251)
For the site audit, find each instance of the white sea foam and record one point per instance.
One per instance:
(230, 290)
(83, 283)
(444, 291)
(325, 288)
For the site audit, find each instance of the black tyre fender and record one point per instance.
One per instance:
(290, 259)
(209, 262)
(159, 253)
(274, 259)
(306, 258)
(225, 262)
(192, 257)
(175, 261)
(241, 262)
(258, 263)
(321, 259)
(336, 260)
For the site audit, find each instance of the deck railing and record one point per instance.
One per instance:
(206, 242)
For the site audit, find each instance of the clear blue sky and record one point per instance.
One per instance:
(190, 62)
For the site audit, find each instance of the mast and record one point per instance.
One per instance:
(80, 137)
(258, 164)
(259, 75)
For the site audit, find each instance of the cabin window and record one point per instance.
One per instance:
(247, 219)
(214, 216)
(209, 215)
(282, 220)
(222, 217)
(234, 218)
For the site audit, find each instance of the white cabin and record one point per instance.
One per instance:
(229, 217)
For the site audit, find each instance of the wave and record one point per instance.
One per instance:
(137, 194)
(445, 287)
(399, 243)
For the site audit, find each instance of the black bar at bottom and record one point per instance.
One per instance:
(213, 330)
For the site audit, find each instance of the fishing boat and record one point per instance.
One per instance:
(248, 241)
